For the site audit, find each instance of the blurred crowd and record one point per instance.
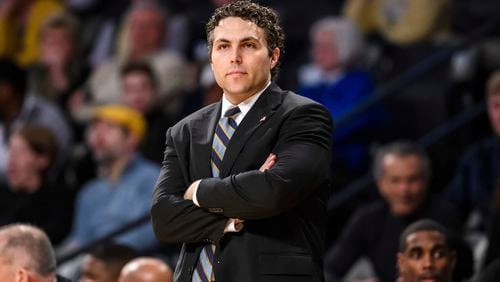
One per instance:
(88, 89)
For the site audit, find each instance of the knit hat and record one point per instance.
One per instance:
(122, 115)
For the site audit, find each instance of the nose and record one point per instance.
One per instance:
(427, 261)
(236, 56)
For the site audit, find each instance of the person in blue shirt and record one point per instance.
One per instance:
(336, 79)
(122, 191)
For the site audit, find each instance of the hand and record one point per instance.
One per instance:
(269, 163)
(238, 224)
(188, 195)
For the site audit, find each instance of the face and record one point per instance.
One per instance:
(426, 258)
(107, 140)
(23, 163)
(402, 183)
(95, 270)
(494, 112)
(324, 51)
(56, 46)
(240, 58)
(138, 91)
(7, 271)
(146, 32)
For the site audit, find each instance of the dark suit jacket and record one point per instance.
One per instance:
(283, 208)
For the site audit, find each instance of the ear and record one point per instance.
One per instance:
(133, 140)
(22, 275)
(381, 186)
(453, 259)
(400, 262)
(275, 57)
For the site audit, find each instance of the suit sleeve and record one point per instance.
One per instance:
(175, 219)
(303, 165)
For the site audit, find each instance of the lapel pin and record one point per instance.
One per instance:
(262, 119)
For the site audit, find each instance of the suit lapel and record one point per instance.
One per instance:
(203, 134)
(261, 111)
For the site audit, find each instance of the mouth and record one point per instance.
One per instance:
(236, 73)
(428, 279)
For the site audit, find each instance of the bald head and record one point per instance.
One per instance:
(146, 270)
(25, 251)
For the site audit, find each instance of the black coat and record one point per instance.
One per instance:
(284, 208)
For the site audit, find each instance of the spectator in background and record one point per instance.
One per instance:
(140, 92)
(426, 253)
(31, 197)
(144, 36)
(145, 269)
(20, 22)
(122, 191)
(402, 172)
(26, 255)
(472, 188)
(104, 262)
(18, 108)
(334, 78)
(60, 70)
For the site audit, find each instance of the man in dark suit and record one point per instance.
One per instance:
(245, 181)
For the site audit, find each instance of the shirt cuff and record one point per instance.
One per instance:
(195, 189)
(231, 226)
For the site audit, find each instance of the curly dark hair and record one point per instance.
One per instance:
(264, 17)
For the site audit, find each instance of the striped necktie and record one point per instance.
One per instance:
(225, 129)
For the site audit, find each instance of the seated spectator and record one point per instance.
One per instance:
(472, 188)
(146, 269)
(426, 253)
(140, 92)
(31, 197)
(145, 38)
(26, 255)
(335, 79)
(122, 191)
(20, 22)
(18, 108)
(60, 70)
(104, 262)
(402, 173)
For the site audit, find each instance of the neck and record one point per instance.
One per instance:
(112, 170)
(237, 99)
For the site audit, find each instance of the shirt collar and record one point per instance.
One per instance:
(244, 106)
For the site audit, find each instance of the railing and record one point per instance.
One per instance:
(118, 231)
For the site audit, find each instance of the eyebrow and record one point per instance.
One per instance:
(245, 39)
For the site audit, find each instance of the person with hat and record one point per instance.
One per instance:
(122, 190)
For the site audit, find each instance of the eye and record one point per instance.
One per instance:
(415, 254)
(439, 254)
(249, 45)
(222, 46)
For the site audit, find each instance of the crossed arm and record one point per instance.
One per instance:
(234, 224)
(299, 165)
